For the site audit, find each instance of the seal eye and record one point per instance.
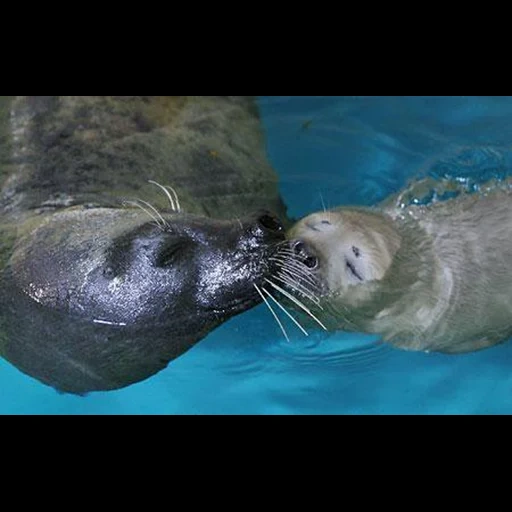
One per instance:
(109, 272)
(356, 251)
(171, 253)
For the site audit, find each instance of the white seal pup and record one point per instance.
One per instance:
(433, 277)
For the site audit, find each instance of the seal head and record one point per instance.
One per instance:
(344, 252)
(103, 313)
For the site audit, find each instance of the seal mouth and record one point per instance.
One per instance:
(235, 307)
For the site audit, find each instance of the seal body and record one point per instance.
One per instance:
(95, 294)
(434, 277)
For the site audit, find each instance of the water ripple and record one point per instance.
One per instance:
(353, 353)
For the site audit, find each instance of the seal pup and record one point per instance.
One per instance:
(105, 278)
(434, 277)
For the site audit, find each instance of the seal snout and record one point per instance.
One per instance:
(269, 222)
(266, 227)
(304, 253)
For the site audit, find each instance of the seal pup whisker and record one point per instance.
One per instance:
(296, 277)
(284, 258)
(300, 292)
(166, 192)
(322, 201)
(292, 275)
(299, 272)
(135, 203)
(294, 320)
(300, 269)
(296, 301)
(298, 288)
(272, 311)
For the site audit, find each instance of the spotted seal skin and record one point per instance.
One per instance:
(433, 277)
(96, 295)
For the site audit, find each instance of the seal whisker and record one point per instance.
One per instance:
(322, 201)
(272, 311)
(178, 207)
(286, 312)
(283, 243)
(301, 270)
(312, 291)
(171, 200)
(135, 203)
(155, 210)
(296, 301)
(295, 286)
(297, 276)
(289, 259)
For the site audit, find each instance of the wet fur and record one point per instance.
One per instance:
(97, 293)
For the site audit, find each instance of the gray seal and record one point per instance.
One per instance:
(104, 277)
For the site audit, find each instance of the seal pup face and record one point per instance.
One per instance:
(340, 253)
(112, 298)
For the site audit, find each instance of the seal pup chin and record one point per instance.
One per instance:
(431, 278)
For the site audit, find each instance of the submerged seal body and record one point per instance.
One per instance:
(434, 277)
(97, 293)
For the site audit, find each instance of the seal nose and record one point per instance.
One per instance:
(265, 227)
(270, 222)
(304, 253)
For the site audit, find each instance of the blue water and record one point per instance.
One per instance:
(329, 151)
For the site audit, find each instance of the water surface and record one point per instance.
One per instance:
(329, 151)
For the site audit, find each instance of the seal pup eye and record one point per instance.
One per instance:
(356, 251)
(352, 269)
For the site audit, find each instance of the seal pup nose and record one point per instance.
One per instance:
(304, 253)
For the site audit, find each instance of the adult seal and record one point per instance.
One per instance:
(104, 277)
(433, 277)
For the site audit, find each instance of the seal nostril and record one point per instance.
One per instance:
(304, 254)
(298, 247)
(270, 222)
(311, 262)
